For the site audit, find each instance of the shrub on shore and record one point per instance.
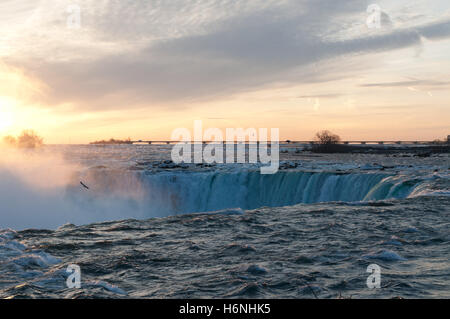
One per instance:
(112, 141)
(27, 139)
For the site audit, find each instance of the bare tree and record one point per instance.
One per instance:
(327, 138)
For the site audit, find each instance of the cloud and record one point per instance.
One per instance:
(321, 96)
(236, 52)
(409, 83)
(436, 31)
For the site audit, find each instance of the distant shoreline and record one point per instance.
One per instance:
(418, 150)
(112, 142)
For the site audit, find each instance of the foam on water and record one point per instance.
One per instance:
(18, 262)
(385, 255)
(21, 266)
(105, 285)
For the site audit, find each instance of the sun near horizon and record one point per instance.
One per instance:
(143, 73)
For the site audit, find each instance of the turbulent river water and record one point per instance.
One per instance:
(143, 227)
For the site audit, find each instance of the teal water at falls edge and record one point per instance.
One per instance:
(169, 193)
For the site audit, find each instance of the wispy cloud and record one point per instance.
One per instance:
(409, 83)
(321, 96)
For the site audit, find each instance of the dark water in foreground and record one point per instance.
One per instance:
(303, 251)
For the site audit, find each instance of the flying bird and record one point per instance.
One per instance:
(84, 185)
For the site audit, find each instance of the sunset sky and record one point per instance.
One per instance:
(140, 69)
